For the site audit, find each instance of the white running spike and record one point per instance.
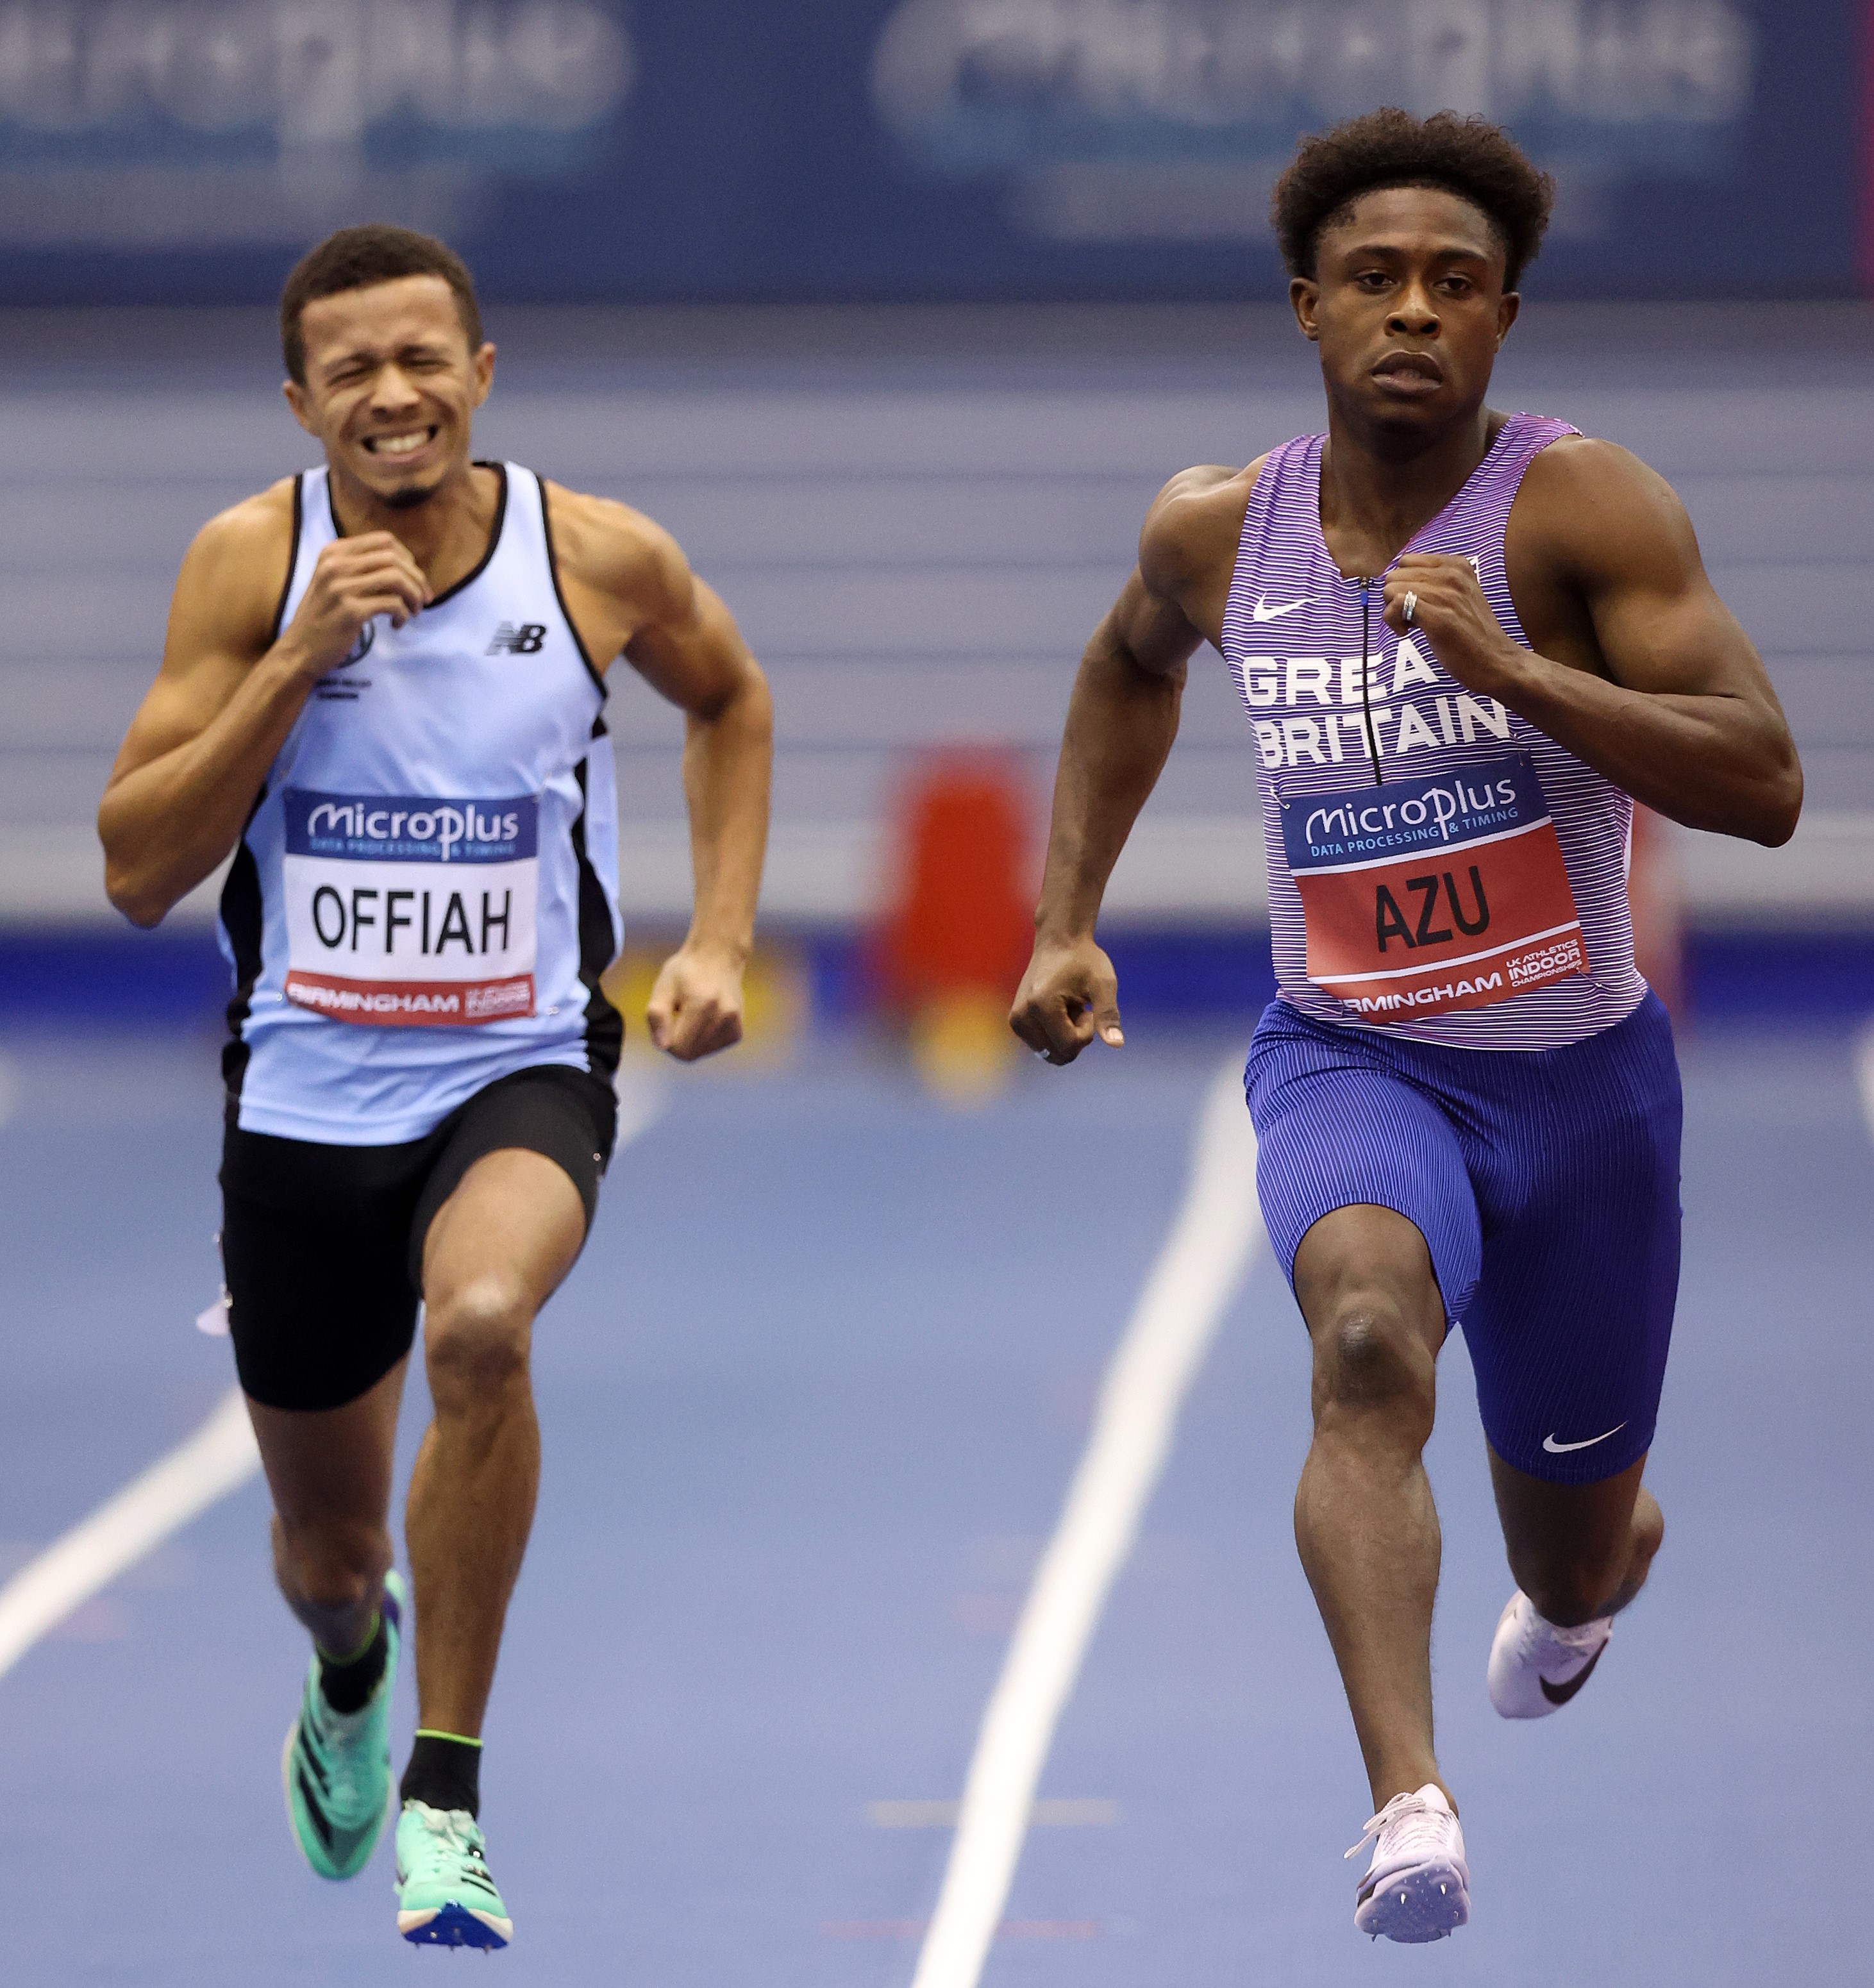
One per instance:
(1535, 1668)
(1417, 1887)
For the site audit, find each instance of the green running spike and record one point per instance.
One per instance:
(444, 1895)
(336, 1766)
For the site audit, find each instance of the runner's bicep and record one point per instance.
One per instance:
(1676, 639)
(192, 689)
(173, 713)
(1151, 629)
(219, 626)
(697, 659)
(1660, 623)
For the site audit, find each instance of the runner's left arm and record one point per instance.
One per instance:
(690, 650)
(1659, 688)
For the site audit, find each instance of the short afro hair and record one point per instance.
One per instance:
(358, 258)
(1479, 162)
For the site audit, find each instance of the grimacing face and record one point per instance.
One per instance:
(391, 388)
(1408, 307)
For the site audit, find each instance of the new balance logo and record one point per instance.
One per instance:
(526, 639)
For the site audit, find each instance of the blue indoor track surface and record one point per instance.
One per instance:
(810, 1403)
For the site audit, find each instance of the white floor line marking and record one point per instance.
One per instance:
(1197, 1273)
(1864, 1069)
(1049, 1812)
(643, 1096)
(217, 1459)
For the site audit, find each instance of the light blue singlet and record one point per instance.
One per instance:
(426, 893)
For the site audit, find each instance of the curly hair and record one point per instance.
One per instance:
(1479, 162)
(356, 258)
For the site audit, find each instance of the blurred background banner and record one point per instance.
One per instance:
(898, 313)
(580, 151)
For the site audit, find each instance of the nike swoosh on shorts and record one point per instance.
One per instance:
(1555, 1448)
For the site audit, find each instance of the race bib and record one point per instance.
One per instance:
(403, 911)
(1424, 896)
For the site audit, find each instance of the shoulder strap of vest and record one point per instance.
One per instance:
(292, 558)
(538, 485)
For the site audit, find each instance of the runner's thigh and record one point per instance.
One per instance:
(561, 1115)
(1573, 1317)
(1336, 1127)
(315, 1243)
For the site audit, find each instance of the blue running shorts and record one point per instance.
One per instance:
(1546, 1186)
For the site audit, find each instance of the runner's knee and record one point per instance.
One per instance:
(1370, 1359)
(477, 1339)
(330, 1564)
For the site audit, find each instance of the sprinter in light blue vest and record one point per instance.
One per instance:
(382, 693)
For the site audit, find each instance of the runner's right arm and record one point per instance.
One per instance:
(227, 694)
(1121, 721)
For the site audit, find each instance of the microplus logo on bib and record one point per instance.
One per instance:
(404, 910)
(1405, 817)
(377, 826)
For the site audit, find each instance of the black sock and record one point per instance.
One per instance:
(347, 1686)
(443, 1772)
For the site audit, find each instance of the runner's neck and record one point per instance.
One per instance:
(449, 536)
(1373, 504)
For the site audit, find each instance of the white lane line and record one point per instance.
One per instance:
(1197, 1273)
(1051, 1812)
(643, 1096)
(218, 1458)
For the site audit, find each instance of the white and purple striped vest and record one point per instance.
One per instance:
(1292, 637)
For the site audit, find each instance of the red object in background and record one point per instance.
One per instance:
(962, 916)
(1659, 912)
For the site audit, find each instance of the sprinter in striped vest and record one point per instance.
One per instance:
(1465, 642)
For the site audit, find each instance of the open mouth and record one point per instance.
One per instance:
(406, 442)
(1410, 368)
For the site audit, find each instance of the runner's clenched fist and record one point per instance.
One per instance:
(1450, 615)
(354, 581)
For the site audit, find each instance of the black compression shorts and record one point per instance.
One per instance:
(322, 1245)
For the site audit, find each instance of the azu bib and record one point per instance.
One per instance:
(407, 912)
(1429, 895)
